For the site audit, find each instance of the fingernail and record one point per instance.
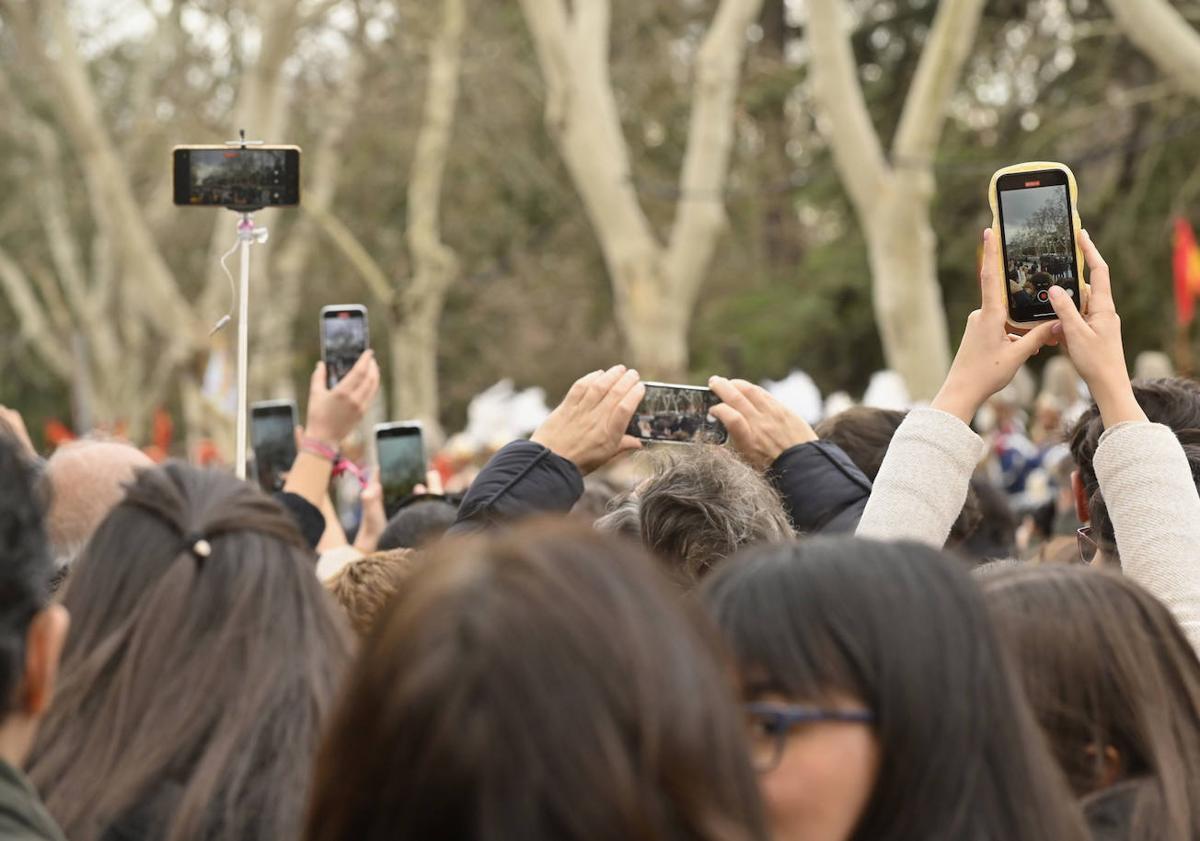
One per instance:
(987, 232)
(1056, 292)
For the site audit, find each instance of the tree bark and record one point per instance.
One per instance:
(892, 201)
(654, 284)
(1164, 36)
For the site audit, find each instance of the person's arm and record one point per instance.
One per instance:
(545, 473)
(821, 488)
(1144, 474)
(923, 480)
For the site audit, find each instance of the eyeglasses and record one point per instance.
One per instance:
(1088, 547)
(770, 724)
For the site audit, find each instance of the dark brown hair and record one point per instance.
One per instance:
(1105, 665)
(539, 684)
(363, 587)
(193, 684)
(903, 629)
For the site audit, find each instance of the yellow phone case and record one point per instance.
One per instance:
(993, 200)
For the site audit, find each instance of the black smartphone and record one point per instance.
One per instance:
(239, 178)
(344, 339)
(1037, 240)
(400, 451)
(679, 414)
(273, 438)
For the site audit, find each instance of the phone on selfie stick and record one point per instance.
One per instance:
(1034, 214)
(677, 414)
(400, 449)
(344, 339)
(244, 178)
(273, 438)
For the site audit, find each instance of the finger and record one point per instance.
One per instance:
(629, 444)
(433, 481)
(1101, 299)
(991, 288)
(1035, 340)
(419, 490)
(623, 386)
(316, 384)
(355, 376)
(1064, 307)
(622, 413)
(758, 396)
(598, 389)
(735, 422)
(365, 391)
(732, 396)
(579, 388)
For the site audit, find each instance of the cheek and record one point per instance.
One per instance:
(822, 784)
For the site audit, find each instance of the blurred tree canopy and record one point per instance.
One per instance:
(789, 286)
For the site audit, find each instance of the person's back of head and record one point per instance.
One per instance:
(543, 683)
(363, 587)
(87, 480)
(864, 434)
(1173, 402)
(1115, 686)
(31, 630)
(849, 651)
(701, 505)
(203, 656)
(418, 523)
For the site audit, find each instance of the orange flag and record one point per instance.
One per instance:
(1187, 272)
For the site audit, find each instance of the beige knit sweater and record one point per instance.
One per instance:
(1143, 473)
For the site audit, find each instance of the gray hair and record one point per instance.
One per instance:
(701, 505)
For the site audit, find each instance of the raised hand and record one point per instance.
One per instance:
(588, 427)
(760, 427)
(334, 414)
(1093, 341)
(988, 356)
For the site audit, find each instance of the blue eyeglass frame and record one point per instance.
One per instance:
(787, 716)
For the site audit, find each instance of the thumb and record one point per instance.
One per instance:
(1036, 339)
(1068, 314)
(628, 444)
(316, 383)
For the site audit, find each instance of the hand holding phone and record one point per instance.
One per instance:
(333, 414)
(1035, 217)
(760, 427)
(344, 339)
(588, 428)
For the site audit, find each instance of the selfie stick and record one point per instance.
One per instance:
(247, 234)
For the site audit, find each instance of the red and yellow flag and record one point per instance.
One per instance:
(1187, 272)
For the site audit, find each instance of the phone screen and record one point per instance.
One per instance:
(401, 454)
(1037, 238)
(243, 179)
(272, 435)
(678, 413)
(343, 340)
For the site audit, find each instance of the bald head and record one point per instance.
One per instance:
(87, 480)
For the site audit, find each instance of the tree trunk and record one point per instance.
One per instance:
(902, 253)
(414, 352)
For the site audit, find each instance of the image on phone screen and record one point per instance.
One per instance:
(237, 178)
(401, 453)
(273, 438)
(1037, 238)
(343, 340)
(677, 413)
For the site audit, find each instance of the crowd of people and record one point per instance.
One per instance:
(863, 631)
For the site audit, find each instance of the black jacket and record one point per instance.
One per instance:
(822, 489)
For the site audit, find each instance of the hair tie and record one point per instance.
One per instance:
(198, 545)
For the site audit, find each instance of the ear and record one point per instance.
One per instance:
(1082, 510)
(1112, 767)
(43, 646)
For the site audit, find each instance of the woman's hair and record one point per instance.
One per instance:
(902, 629)
(203, 656)
(1105, 665)
(543, 683)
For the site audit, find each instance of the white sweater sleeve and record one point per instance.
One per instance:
(1155, 510)
(922, 483)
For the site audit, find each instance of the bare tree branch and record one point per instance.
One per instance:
(362, 261)
(34, 325)
(1165, 36)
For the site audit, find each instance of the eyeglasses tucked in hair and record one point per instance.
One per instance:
(1088, 547)
(770, 724)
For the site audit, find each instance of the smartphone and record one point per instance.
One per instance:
(239, 178)
(400, 450)
(677, 414)
(1035, 217)
(273, 438)
(343, 339)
